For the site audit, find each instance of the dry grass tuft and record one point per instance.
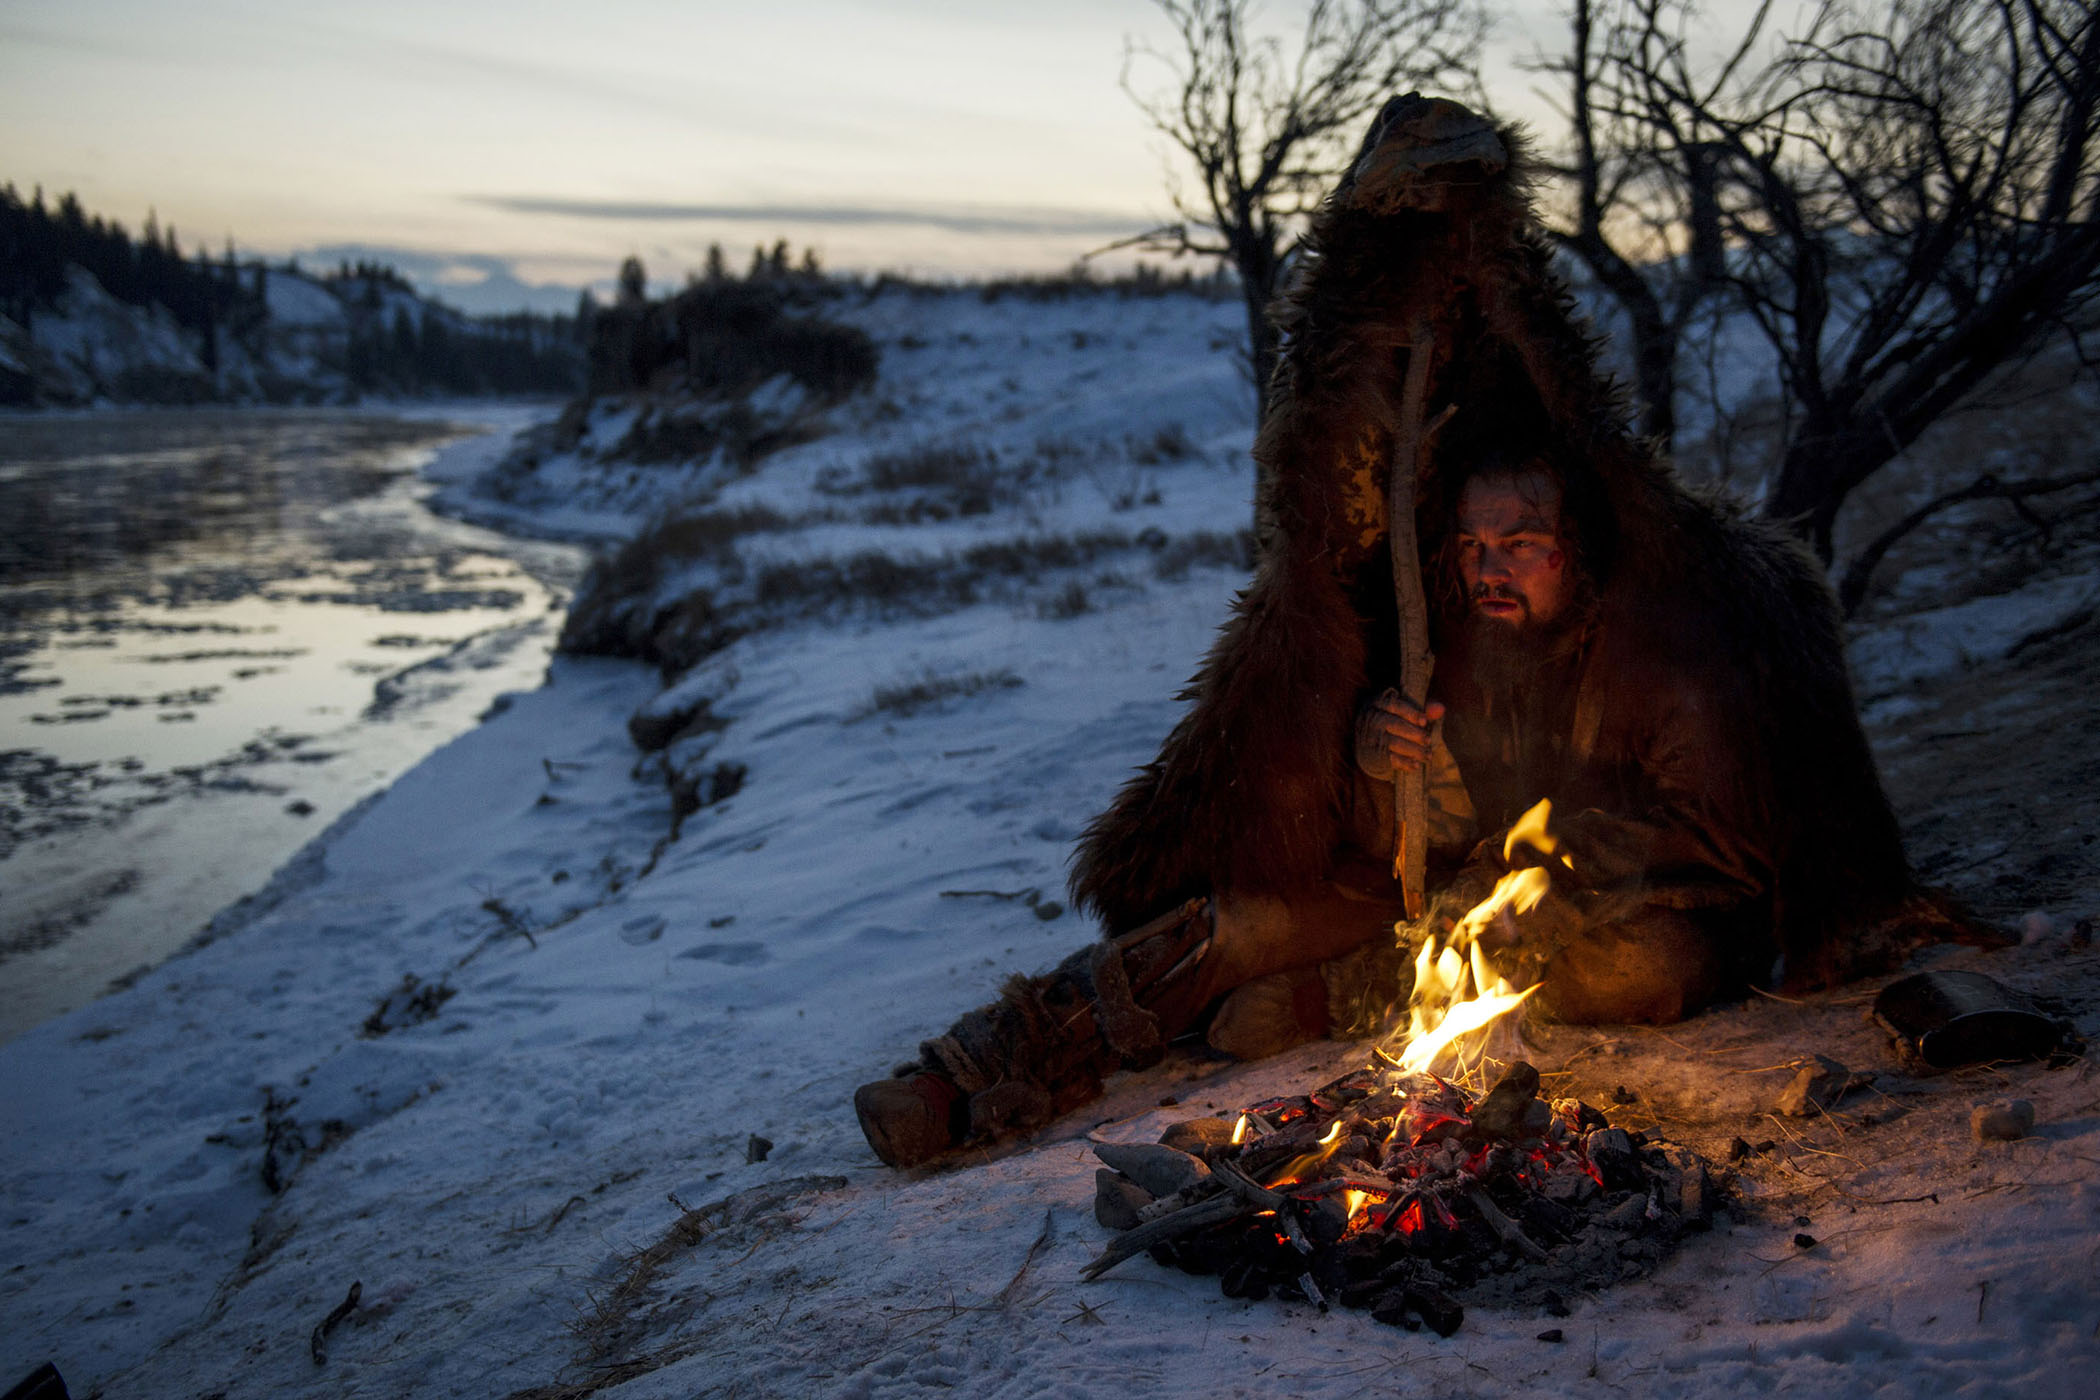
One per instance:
(909, 697)
(613, 1334)
(1210, 549)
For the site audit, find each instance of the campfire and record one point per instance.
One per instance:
(1401, 1185)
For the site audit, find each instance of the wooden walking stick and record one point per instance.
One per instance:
(1417, 662)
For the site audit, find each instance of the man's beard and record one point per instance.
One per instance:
(1505, 655)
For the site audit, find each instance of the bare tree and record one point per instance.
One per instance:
(1904, 198)
(1268, 126)
(1641, 209)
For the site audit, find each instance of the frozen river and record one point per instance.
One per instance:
(218, 632)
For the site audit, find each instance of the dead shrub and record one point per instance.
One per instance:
(1068, 602)
(723, 339)
(690, 433)
(1034, 554)
(1055, 457)
(616, 611)
(931, 481)
(633, 604)
(704, 787)
(1143, 280)
(929, 464)
(1210, 549)
(1167, 444)
(868, 577)
(909, 697)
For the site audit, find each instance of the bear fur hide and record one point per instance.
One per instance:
(1250, 792)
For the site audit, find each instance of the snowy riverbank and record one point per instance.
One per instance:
(479, 1048)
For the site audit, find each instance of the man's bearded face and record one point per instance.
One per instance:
(1510, 556)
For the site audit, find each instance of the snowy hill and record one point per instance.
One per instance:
(300, 339)
(488, 1061)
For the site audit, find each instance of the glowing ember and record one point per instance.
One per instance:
(1392, 1196)
(1397, 1184)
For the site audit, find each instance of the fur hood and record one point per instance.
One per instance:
(1434, 223)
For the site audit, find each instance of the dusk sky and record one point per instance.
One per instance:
(542, 141)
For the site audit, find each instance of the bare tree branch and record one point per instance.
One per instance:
(1268, 126)
(1852, 590)
(1904, 193)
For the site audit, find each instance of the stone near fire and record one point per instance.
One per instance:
(1391, 1308)
(1118, 1199)
(1687, 1186)
(1439, 1309)
(1611, 1152)
(1500, 1116)
(1159, 1169)
(1628, 1215)
(1568, 1184)
(1412, 1305)
(2002, 1120)
(1199, 1137)
(1579, 1116)
(1818, 1083)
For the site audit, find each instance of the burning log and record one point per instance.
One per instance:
(1397, 1194)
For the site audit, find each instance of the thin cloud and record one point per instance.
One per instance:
(14, 35)
(532, 77)
(951, 220)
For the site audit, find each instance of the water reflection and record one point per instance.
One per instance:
(90, 493)
(243, 613)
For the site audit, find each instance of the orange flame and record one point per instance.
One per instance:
(1302, 1166)
(1458, 993)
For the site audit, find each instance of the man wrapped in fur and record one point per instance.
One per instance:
(1664, 671)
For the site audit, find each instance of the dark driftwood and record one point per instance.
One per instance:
(1256, 1195)
(1370, 1183)
(1131, 1243)
(1243, 1195)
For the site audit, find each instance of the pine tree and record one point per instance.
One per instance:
(634, 282)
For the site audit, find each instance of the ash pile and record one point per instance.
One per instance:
(1405, 1197)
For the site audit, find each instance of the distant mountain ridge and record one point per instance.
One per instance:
(88, 315)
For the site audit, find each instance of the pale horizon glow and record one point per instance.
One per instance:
(531, 144)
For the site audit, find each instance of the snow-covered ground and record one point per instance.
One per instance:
(533, 1161)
